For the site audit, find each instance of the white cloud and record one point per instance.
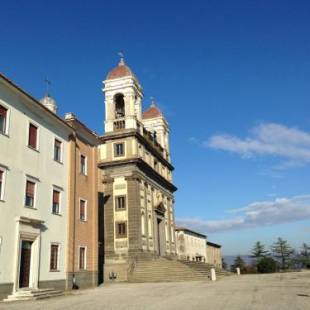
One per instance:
(256, 214)
(271, 139)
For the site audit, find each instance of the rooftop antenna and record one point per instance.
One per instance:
(121, 55)
(47, 86)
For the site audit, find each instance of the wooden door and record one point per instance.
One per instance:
(25, 260)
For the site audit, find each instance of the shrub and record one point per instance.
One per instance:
(266, 265)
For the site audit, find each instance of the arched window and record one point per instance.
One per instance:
(119, 105)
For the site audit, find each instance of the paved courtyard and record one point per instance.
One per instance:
(277, 291)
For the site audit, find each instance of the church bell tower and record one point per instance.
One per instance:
(123, 99)
(135, 178)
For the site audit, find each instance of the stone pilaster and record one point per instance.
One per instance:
(134, 215)
(108, 218)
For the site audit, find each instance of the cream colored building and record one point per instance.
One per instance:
(191, 245)
(214, 254)
(33, 191)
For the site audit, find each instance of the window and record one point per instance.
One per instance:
(82, 210)
(1, 184)
(54, 257)
(83, 165)
(120, 202)
(57, 150)
(121, 231)
(30, 191)
(82, 261)
(56, 203)
(3, 119)
(119, 149)
(33, 136)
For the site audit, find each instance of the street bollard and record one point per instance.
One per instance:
(238, 271)
(213, 274)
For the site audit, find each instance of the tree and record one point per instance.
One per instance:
(282, 251)
(258, 251)
(266, 265)
(238, 262)
(304, 255)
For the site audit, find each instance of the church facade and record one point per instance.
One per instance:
(135, 177)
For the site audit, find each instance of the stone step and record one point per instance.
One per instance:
(164, 270)
(143, 280)
(33, 294)
(203, 267)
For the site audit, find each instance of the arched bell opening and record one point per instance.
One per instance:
(119, 105)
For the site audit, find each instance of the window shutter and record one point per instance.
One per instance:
(33, 136)
(3, 111)
(30, 189)
(55, 197)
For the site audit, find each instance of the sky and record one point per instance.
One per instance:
(231, 77)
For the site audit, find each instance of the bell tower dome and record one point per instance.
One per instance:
(123, 98)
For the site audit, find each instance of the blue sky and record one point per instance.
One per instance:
(232, 77)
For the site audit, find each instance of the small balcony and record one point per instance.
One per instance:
(119, 124)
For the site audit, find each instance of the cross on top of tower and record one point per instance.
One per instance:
(121, 61)
(153, 102)
(47, 86)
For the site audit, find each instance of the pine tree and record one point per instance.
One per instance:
(259, 251)
(282, 251)
(238, 262)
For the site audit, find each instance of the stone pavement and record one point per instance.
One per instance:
(288, 291)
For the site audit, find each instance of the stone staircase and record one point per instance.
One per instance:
(33, 294)
(163, 270)
(205, 269)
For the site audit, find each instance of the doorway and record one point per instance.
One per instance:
(161, 240)
(25, 264)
